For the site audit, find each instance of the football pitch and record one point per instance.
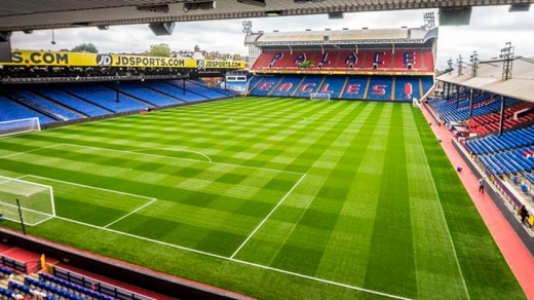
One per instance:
(274, 198)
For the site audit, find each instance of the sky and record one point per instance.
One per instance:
(490, 29)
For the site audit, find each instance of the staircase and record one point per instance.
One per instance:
(85, 100)
(36, 107)
(72, 110)
(161, 92)
(188, 90)
(129, 95)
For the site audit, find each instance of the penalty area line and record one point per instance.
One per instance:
(131, 213)
(238, 261)
(268, 216)
(33, 150)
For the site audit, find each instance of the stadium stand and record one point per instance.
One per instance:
(65, 102)
(450, 111)
(494, 132)
(215, 91)
(55, 94)
(58, 110)
(383, 88)
(514, 116)
(10, 110)
(105, 97)
(386, 64)
(372, 60)
(136, 91)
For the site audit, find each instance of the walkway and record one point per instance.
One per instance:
(515, 253)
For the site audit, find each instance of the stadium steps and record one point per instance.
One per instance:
(133, 97)
(162, 92)
(276, 85)
(190, 91)
(35, 107)
(250, 89)
(85, 100)
(3, 284)
(215, 90)
(72, 110)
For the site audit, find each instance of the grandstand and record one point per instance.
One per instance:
(491, 113)
(57, 103)
(368, 64)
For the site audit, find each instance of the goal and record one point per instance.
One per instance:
(19, 126)
(36, 201)
(320, 96)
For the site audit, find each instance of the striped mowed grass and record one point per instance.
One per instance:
(275, 198)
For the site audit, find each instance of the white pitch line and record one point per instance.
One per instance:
(239, 261)
(352, 287)
(18, 153)
(442, 212)
(174, 149)
(131, 213)
(167, 157)
(88, 186)
(269, 215)
(143, 238)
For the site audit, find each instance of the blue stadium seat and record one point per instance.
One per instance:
(157, 99)
(105, 97)
(74, 103)
(47, 104)
(380, 88)
(10, 110)
(355, 88)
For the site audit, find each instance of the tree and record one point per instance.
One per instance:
(161, 50)
(306, 64)
(85, 48)
(448, 70)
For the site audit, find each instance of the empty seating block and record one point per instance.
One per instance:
(511, 153)
(84, 107)
(10, 110)
(365, 60)
(381, 88)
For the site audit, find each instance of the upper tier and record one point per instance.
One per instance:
(407, 61)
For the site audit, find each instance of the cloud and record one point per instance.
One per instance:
(490, 29)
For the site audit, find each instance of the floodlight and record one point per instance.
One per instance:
(154, 8)
(260, 3)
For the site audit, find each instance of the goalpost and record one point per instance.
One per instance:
(320, 96)
(36, 201)
(19, 126)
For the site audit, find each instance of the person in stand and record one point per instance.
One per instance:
(481, 185)
(524, 214)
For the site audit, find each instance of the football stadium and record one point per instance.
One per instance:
(333, 164)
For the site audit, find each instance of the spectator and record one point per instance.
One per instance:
(524, 214)
(481, 185)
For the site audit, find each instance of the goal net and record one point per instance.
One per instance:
(19, 126)
(36, 201)
(320, 96)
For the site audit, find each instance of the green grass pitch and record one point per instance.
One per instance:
(275, 198)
